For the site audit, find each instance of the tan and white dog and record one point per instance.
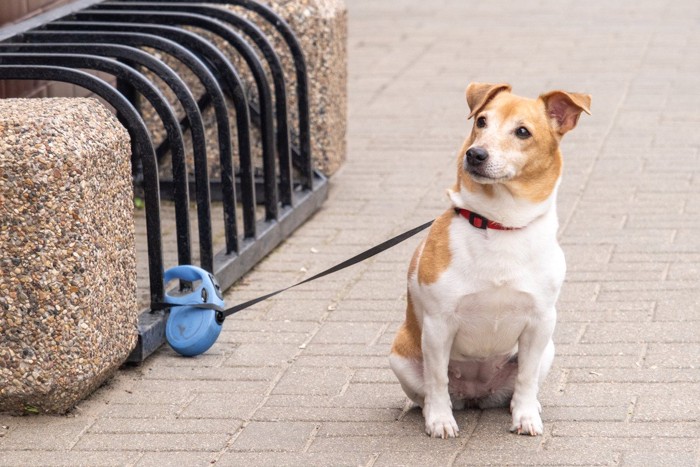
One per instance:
(482, 286)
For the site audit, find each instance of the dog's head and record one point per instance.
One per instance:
(515, 140)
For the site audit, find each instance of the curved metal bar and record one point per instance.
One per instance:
(267, 128)
(140, 145)
(179, 88)
(282, 135)
(221, 67)
(305, 163)
(159, 102)
(129, 42)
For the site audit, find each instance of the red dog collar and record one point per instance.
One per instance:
(480, 222)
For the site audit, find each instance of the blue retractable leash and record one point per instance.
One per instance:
(195, 319)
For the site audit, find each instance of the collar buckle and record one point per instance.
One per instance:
(480, 222)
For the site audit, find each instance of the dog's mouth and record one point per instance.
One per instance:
(487, 173)
(479, 177)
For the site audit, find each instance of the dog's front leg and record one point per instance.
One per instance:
(534, 342)
(437, 338)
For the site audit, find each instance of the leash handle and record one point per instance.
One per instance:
(223, 313)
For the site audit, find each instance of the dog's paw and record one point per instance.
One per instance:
(439, 424)
(527, 420)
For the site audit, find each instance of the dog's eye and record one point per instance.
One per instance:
(481, 122)
(522, 133)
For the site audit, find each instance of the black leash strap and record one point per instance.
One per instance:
(345, 264)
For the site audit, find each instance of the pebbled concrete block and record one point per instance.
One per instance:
(68, 306)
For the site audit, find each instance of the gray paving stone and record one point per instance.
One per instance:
(617, 349)
(680, 308)
(379, 375)
(227, 406)
(211, 442)
(274, 436)
(610, 306)
(29, 434)
(325, 414)
(637, 444)
(383, 443)
(598, 362)
(578, 292)
(605, 413)
(581, 456)
(656, 429)
(298, 310)
(673, 356)
(658, 457)
(348, 333)
(176, 458)
(313, 380)
(146, 411)
(404, 458)
(634, 375)
(343, 361)
(172, 425)
(211, 374)
(150, 390)
(287, 459)
(397, 428)
(677, 405)
(609, 315)
(668, 332)
(263, 337)
(357, 350)
(262, 355)
(39, 456)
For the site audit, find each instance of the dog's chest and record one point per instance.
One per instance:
(490, 322)
(500, 285)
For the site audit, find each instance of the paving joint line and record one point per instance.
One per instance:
(407, 407)
(311, 438)
(667, 266)
(581, 333)
(346, 385)
(138, 459)
(373, 459)
(186, 404)
(467, 437)
(79, 436)
(642, 355)
(630, 409)
(654, 311)
(379, 334)
(563, 381)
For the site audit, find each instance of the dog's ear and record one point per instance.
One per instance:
(565, 108)
(479, 94)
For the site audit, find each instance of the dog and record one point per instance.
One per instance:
(482, 286)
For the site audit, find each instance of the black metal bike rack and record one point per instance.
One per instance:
(110, 37)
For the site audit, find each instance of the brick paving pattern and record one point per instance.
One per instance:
(303, 379)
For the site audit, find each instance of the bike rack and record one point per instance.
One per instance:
(110, 37)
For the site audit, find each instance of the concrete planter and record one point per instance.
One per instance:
(68, 282)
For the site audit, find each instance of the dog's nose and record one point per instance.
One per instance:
(476, 156)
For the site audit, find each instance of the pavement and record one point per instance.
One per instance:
(303, 378)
